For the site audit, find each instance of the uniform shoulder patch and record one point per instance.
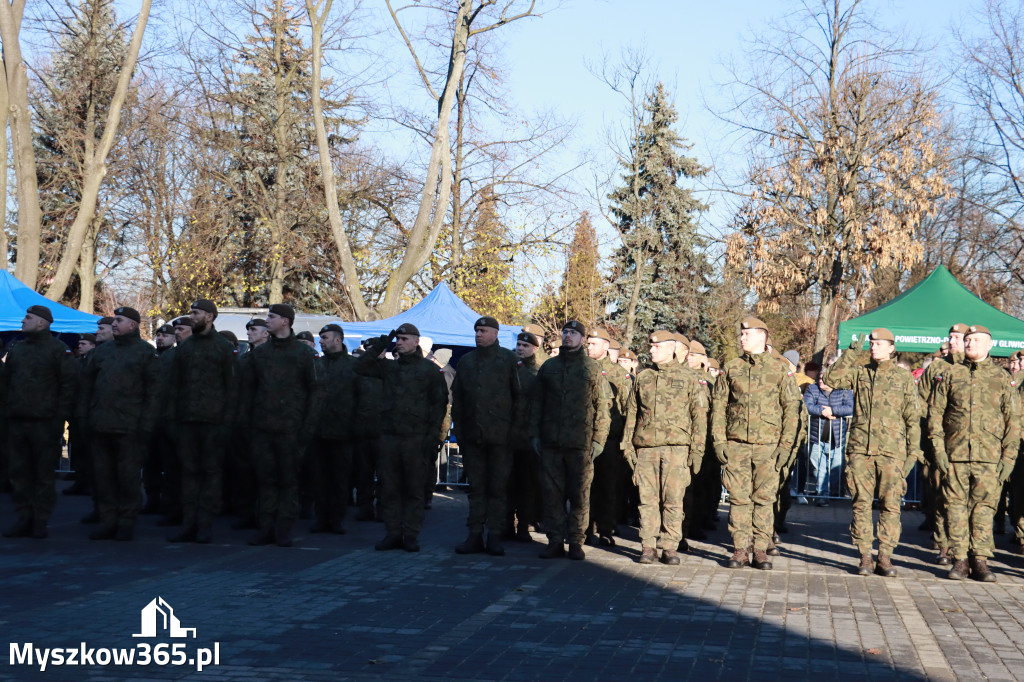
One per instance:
(789, 374)
(702, 382)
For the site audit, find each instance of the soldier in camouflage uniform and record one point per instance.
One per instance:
(121, 393)
(155, 470)
(41, 381)
(934, 503)
(605, 490)
(524, 484)
(245, 485)
(538, 332)
(628, 361)
(484, 396)
(1017, 478)
(974, 427)
(883, 445)
(416, 398)
(570, 424)
(754, 422)
(664, 435)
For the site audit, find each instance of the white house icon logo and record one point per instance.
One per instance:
(151, 619)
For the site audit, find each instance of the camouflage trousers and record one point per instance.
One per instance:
(201, 456)
(940, 534)
(488, 468)
(566, 475)
(403, 468)
(34, 446)
(117, 464)
(277, 458)
(750, 477)
(972, 492)
(863, 474)
(662, 475)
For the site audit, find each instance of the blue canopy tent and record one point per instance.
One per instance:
(442, 316)
(16, 297)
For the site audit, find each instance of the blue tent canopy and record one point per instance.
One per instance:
(442, 316)
(15, 298)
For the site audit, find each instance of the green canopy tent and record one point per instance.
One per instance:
(921, 316)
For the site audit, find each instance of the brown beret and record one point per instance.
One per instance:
(534, 329)
(229, 335)
(697, 348)
(713, 364)
(627, 354)
(576, 326)
(663, 335)
(486, 321)
(882, 334)
(614, 345)
(557, 343)
(529, 338)
(958, 328)
(407, 329)
(40, 311)
(753, 323)
(977, 329)
(599, 333)
(90, 338)
(305, 336)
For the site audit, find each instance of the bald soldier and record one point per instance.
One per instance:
(974, 428)
(663, 441)
(754, 422)
(883, 445)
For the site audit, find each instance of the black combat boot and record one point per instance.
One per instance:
(670, 558)
(264, 536)
(39, 530)
(187, 534)
(980, 570)
(104, 533)
(125, 533)
(411, 543)
(494, 547)
(943, 558)
(554, 550)
(761, 561)
(523, 533)
(959, 570)
(473, 544)
(867, 566)
(389, 542)
(739, 559)
(884, 566)
(283, 534)
(648, 555)
(576, 552)
(22, 528)
(204, 533)
(684, 546)
(606, 540)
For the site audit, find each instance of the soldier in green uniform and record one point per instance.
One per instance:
(245, 486)
(524, 484)
(609, 468)
(204, 394)
(537, 331)
(281, 395)
(934, 503)
(883, 445)
(628, 361)
(41, 382)
(570, 424)
(332, 445)
(120, 394)
(159, 467)
(754, 422)
(415, 399)
(664, 435)
(484, 396)
(369, 409)
(1017, 478)
(974, 427)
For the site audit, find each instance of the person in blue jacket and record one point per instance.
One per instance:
(826, 436)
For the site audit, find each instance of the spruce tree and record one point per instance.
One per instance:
(660, 275)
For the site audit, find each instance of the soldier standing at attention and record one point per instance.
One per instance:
(204, 390)
(332, 445)
(538, 332)
(415, 399)
(484, 396)
(974, 428)
(605, 491)
(524, 484)
(283, 388)
(628, 361)
(556, 348)
(883, 444)
(156, 471)
(121, 392)
(182, 328)
(754, 422)
(570, 425)
(245, 488)
(665, 430)
(41, 381)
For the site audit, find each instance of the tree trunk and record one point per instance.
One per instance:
(87, 270)
(4, 116)
(830, 291)
(456, 264)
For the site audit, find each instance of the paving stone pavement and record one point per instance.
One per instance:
(332, 608)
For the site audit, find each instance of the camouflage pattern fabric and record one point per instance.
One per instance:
(572, 410)
(751, 478)
(755, 401)
(863, 474)
(972, 493)
(566, 474)
(662, 474)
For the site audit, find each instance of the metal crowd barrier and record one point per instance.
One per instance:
(449, 465)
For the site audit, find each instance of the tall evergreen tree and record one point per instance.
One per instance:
(660, 272)
(579, 295)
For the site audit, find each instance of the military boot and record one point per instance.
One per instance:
(264, 536)
(320, 526)
(884, 566)
(283, 534)
(523, 533)
(959, 570)
(772, 550)
(761, 561)
(576, 552)
(389, 542)
(980, 570)
(186, 535)
(867, 565)
(606, 540)
(494, 547)
(204, 533)
(554, 550)
(125, 533)
(411, 543)
(22, 528)
(943, 558)
(104, 533)
(669, 557)
(648, 555)
(39, 530)
(473, 544)
(684, 546)
(739, 559)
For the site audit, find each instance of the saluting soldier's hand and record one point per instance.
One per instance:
(720, 452)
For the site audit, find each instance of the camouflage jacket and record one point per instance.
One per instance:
(527, 370)
(337, 371)
(41, 378)
(974, 414)
(940, 366)
(667, 406)
(281, 388)
(414, 395)
(620, 387)
(756, 401)
(484, 395)
(204, 379)
(886, 409)
(572, 406)
(121, 386)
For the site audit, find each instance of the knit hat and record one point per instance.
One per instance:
(792, 356)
